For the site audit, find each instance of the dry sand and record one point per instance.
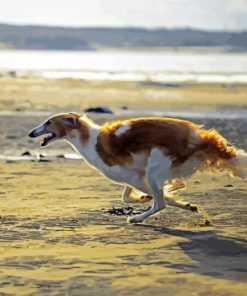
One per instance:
(36, 93)
(57, 237)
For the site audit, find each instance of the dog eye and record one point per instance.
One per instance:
(48, 122)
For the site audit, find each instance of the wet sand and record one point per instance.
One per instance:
(57, 237)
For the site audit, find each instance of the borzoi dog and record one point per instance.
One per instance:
(143, 153)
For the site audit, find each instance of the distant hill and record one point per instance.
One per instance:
(63, 38)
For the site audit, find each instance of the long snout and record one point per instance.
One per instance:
(38, 131)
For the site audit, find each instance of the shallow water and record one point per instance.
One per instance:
(130, 65)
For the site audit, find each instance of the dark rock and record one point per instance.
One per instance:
(161, 84)
(207, 222)
(105, 110)
(61, 156)
(11, 137)
(44, 160)
(12, 74)
(26, 153)
(10, 161)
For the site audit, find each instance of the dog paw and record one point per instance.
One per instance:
(192, 208)
(134, 220)
(145, 198)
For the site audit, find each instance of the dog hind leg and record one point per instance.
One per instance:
(172, 190)
(131, 195)
(181, 205)
(157, 170)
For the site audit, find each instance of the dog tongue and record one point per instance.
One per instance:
(45, 140)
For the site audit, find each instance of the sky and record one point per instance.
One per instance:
(202, 14)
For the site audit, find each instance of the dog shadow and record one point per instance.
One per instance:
(212, 254)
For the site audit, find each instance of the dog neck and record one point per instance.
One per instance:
(84, 140)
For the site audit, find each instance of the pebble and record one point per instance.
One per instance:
(26, 153)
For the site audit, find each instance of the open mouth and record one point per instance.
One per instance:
(47, 139)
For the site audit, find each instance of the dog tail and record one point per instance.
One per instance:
(215, 145)
(219, 155)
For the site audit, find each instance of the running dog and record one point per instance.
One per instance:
(143, 153)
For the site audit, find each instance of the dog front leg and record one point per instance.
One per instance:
(158, 203)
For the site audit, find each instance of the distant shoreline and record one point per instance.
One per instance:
(93, 38)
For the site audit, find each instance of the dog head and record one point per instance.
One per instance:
(57, 127)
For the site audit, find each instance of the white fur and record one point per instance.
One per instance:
(122, 129)
(158, 170)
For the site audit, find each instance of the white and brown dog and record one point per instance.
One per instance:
(143, 153)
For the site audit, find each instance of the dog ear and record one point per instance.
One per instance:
(70, 120)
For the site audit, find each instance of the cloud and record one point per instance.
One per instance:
(236, 6)
(203, 14)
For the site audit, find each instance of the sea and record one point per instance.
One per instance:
(129, 65)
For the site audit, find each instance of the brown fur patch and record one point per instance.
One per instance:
(171, 135)
(84, 130)
(176, 137)
(62, 128)
(214, 150)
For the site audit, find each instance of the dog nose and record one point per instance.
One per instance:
(31, 134)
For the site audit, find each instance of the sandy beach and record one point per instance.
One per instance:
(32, 93)
(57, 236)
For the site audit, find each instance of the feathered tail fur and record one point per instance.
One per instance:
(219, 155)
